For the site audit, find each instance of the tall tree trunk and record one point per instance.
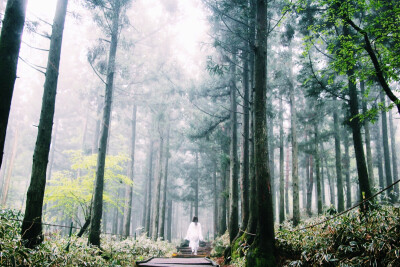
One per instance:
(281, 163)
(196, 187)
(165, 189)
(367, 139)
(293, 127)
(330, 182)
(215, 191)
(346, 164)
(323, 196)
(31, 231)
(145, 186)
(156, 204)
(287, 183)
(386, 152)
(10, 43)
(244, 178)
(149, 187)
(114, 228)
(317, 168)
(7, 178)
(394, 152)
(356, 129)
(169, 223)
(310, 185)
(224, 167)
(261, 252)
(338, 162)
(379, 156)
(129, 188)
(252, 222)
(94, 234)
(233, 225)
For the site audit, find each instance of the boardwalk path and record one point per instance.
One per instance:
(183, 258)
(176, 262)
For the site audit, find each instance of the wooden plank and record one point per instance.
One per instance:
(177, 262)
(180, 260)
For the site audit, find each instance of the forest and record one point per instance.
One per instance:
(272, 122)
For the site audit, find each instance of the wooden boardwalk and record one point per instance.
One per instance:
(176, 262)
(184, 257)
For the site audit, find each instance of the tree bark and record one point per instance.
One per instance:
(310, 185)
(317, 168)
(94, 234)
(261, 252)
(252, 222)
(129, 188)
(233, 225)
(287, 183)
(386, 152)
(10, 43)
(394, 153)
(357, 139)
(293, 127)
(224, 167)
(346, 164)
(31, 232)
(338, 162)
(165, 189)
(196, 187)
(169, 223)
(215, 191)
(149, 195)
(330, 180)
(244, 181)
(281, 163)
(10, 168)
(367, 139)
(156, 204)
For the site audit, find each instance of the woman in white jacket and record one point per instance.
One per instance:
(194, 235)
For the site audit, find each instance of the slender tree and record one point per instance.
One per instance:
(31, 231)
(233, 225)
(129, 188)
(367, 139)
(293, 128)
(148, 190)
(281, 163)
(386, 152)
(10, 43)
(97, 210)
(394, 152)
(165, 187)
(338, 162)
(244, 178)
(157, 196)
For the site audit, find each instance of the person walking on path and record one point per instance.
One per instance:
(194, 235)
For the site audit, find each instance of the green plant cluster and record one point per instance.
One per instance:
(220, 244)
(52, 252)
(354, 239)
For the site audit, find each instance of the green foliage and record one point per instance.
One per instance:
(354, 239)
(72, 189)
(220, 244)
(52, 251)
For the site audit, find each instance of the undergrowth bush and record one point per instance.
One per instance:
(52, 252)
(354, 239)
(220, 244)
